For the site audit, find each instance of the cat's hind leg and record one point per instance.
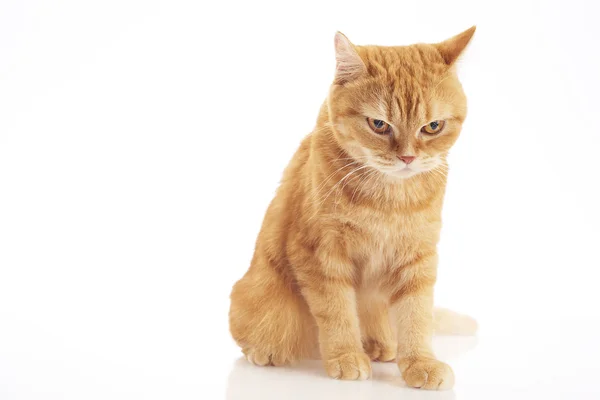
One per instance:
(269, 321)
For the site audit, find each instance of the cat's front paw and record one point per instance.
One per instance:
(349, 366)
(426, 373)
(379, 351)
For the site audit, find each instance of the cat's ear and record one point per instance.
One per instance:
(348, 64)
(452, 48)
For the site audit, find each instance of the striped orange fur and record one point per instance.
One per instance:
(346, 261)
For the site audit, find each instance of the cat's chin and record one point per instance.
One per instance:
(401, 174)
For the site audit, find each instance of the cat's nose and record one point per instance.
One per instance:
(407, 159)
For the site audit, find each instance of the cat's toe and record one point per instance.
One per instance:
(380, 351)
(263, 358)
(257, 357)
(349, 366)
(426, 373)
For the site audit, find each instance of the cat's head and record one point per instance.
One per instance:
(398, 109)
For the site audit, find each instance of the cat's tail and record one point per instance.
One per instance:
(447, 322)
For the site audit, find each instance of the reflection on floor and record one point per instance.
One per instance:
(307, 380)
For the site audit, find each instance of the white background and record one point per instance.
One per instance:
(140, 144)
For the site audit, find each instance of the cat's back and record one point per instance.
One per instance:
(282, 214)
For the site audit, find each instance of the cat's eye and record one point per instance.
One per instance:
(378, 126)
(433, 128)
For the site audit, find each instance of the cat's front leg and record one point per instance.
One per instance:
(379, 341)
(413, 303)
(331, 298)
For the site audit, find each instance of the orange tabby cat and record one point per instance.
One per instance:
(346, 259)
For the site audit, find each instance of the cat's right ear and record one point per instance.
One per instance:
(348, 64)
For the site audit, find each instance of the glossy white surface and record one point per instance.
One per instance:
(541, 359)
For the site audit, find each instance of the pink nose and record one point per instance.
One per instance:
(407, 159)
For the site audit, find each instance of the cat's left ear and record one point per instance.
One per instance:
(348, 64)
(452, 48)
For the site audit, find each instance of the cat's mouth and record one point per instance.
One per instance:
(396, 170)
(405, 172)
(400, 172)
